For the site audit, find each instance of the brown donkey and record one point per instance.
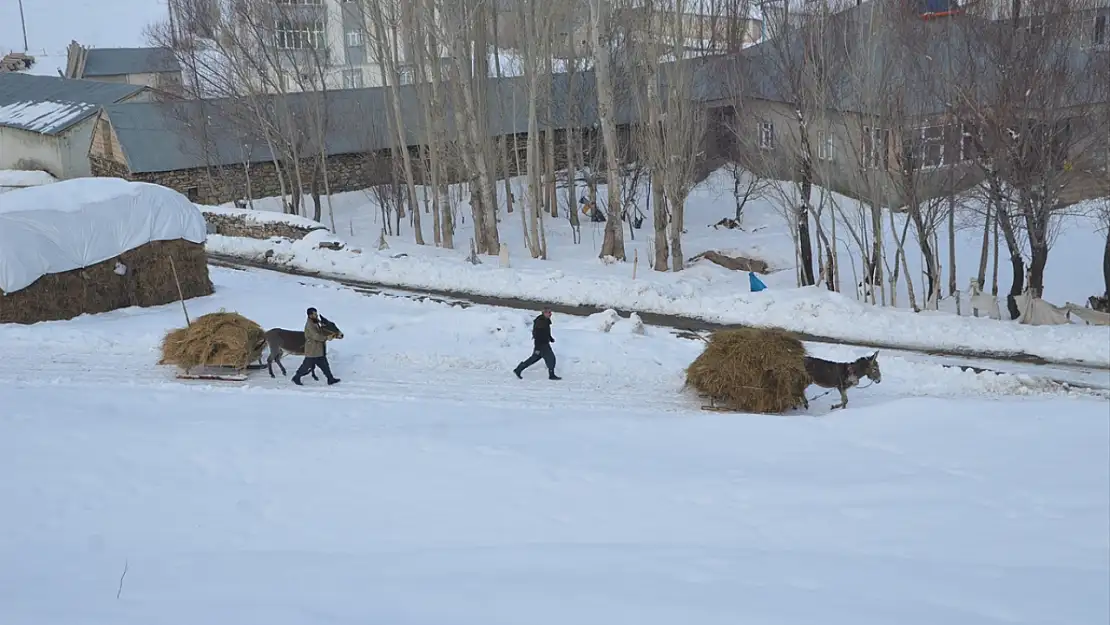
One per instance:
(842, 375)
(281, 341)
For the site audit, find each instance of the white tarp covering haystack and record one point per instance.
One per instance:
(77, 223)
(1089, 316)
(1037, 312)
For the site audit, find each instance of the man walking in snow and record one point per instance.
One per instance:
(542, 340)
(315, 350)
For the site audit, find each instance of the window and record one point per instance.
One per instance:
(876, 148)
(299, 36)
(931, 152)
(1098, 36)
(1035, 24)
(354, 37)
(766, 136)
(192, 193)
(406, 75)
(824, 146)
(352, 79)
(969, 143)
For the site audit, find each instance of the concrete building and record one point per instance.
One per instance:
(46, 122)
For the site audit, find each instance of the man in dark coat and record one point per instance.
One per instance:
(542, 340)
(315, 350)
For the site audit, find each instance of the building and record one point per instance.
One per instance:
(338, 39)
(46, 122)
(214, 152)
(156, 68)
(883, 120)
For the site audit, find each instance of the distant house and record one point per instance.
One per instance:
(46, 122)
(156, 68)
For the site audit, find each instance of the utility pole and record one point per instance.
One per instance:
(23, 22)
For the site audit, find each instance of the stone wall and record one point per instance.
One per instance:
(219, 185)
(240, 225)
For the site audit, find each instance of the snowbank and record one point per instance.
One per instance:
(814, 311)
(76, 223)
(11, 179)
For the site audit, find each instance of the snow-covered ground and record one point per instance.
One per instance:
(12, 179)
(432, 486)
(574, 275)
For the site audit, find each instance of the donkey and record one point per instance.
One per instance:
(282, 341)
(842, 375)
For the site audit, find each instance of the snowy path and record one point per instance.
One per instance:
(463, 297)
(1076, 375)
(432, 487)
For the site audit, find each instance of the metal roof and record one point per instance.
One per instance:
(50, 105)
(117, 61)
(171, 136)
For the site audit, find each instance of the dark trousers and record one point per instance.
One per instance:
(542, 352)
(309, 363)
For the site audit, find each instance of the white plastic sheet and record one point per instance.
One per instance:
(77, 223)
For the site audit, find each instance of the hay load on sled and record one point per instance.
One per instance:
(751, 370)
(92, 245)
(216, 346)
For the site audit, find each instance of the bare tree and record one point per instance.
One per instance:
(1035, 113)
(465, 36)
(601, 37)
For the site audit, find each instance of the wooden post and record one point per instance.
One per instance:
(180, 294)
(635, 261)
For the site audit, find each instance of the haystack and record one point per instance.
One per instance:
(751, 370)
(90, 245)
(139, 277)
(222, 339)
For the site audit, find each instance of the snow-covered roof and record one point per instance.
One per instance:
(50, 105)
(45, 117)
(77, 223)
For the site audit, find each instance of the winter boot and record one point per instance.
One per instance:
(297, 380)
(518, 372)
(334, 381)
(551, 375)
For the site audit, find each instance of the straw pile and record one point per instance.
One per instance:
(147, 280)
(220, 339)
(751, 370)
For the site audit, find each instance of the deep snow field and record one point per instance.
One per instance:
(432, 486)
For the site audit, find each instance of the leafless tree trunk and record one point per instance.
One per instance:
(599, 35)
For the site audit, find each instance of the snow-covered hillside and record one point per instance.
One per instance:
(432, 486)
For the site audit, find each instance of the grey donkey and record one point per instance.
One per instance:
(281, 341)
(842, 375)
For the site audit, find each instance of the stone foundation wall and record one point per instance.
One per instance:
(241, 226)
(219, 185)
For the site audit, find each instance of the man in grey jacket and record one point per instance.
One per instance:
(315, 350)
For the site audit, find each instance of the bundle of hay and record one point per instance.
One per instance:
(220, 339)
(139, 277)
(751, 370)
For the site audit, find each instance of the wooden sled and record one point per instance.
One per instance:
(712, 405)
(222, 374)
